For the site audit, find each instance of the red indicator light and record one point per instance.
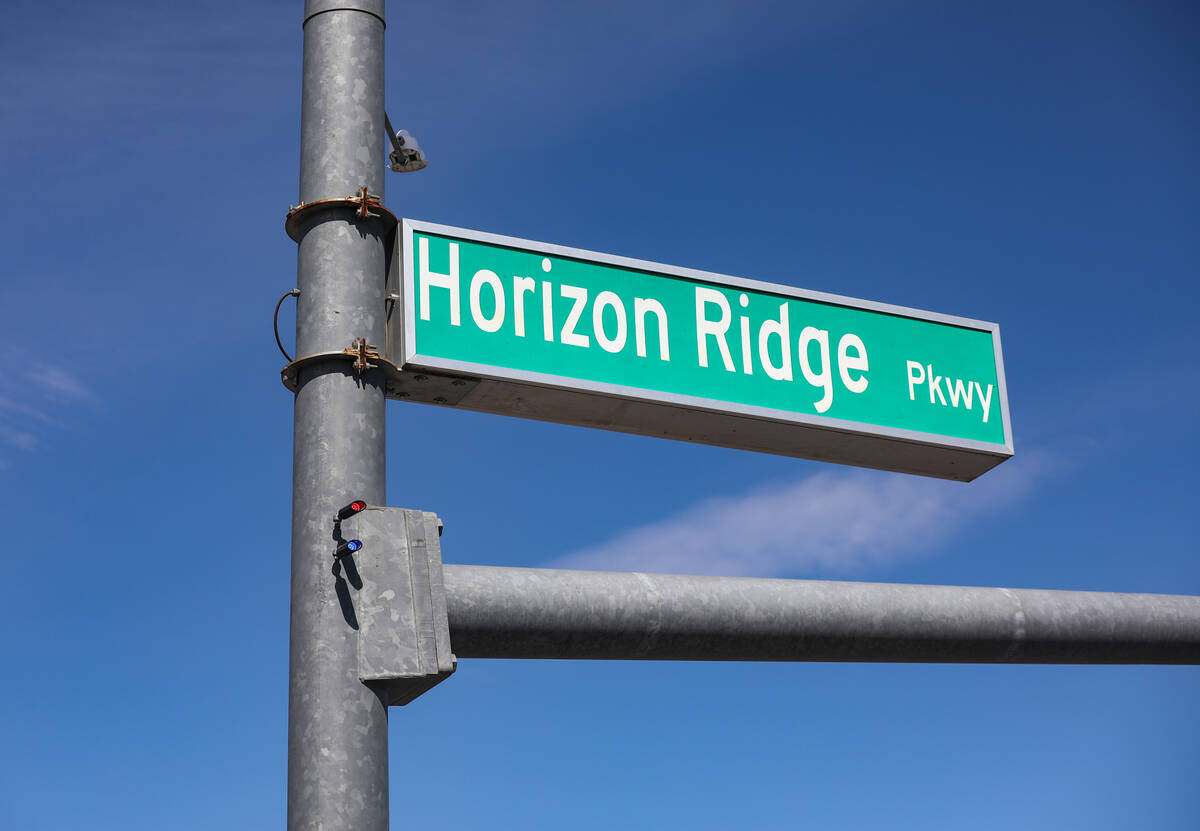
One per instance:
(351, 509)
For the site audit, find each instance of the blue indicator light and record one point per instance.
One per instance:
(348, 547)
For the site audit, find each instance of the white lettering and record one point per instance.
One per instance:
(957, 392)
(569, 335)
(781, 329)
(521, 286)
(857, 362)
(747, 355)
(603, 300)
(823, 378)
(713, 328)
(985, 400)
(441, 281)
(485, 277)
(640, 308)
(935, 386)
(547, 310)
(914, 379)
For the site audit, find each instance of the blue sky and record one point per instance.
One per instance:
(1031, 164)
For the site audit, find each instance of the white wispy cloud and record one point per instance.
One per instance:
(18, 438)
(17, 408)
(841, 519)
(847, 521)
(59, 383)
(41, 398)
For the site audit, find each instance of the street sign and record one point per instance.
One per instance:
(503, 325)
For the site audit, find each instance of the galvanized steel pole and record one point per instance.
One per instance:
(548, 613)
(337, 726)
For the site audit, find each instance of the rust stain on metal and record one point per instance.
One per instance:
(366, 201)
(363, 353)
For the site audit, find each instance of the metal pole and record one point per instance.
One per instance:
(546, 613)
(337, 726)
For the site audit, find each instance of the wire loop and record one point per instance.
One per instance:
(286, 295)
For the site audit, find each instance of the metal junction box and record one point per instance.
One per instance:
(403, 636)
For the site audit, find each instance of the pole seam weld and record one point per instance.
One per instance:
(1019, 622)
(654, 621)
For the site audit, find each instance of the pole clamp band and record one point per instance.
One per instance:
(362, 354)
(366, 206)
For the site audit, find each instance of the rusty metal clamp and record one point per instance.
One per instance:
(366, 206)
(363, 355)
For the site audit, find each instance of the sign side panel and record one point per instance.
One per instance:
(584, 409)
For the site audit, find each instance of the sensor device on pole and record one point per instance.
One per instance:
(406, 154)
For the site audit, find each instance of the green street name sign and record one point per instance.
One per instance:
(503, 325)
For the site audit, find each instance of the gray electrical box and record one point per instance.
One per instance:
(403, 634)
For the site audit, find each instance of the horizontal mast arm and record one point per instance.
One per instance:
(547, 613)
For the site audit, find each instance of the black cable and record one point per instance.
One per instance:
(286, 295)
